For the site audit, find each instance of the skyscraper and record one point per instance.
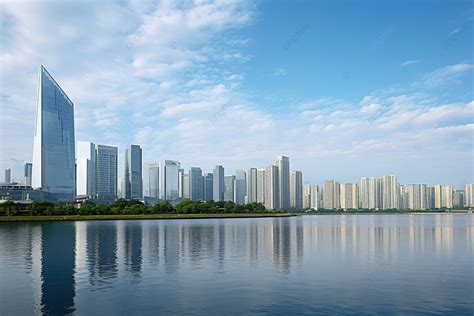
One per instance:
(443, 196)
(8, 175)
(85, 168)
(283, 164)
(181, 183)
(208, 181)
(296, 189)
(54, 144)
(133, 182)
(469, 195)
(28, 173)
(390, 193)
(240, 187)
(331, 195)
(261, 186)
(186, 186)
(154, 180)
(349, 196)
(229, 188)
(415, 197)
(169, 180)
(106, 172)
(196, 184)
(218, 184)
(252, 185)
(272, 188)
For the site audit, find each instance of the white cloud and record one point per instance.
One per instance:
(445, 75)
(409, 62)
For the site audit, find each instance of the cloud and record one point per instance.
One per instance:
(445, 75)
(371, 108)
(279, 72)
(409, 62)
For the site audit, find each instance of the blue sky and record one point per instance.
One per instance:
(346, 89)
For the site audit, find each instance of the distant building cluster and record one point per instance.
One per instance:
(64, 171)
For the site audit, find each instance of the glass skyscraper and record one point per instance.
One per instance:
(133, 186)
(53, 147)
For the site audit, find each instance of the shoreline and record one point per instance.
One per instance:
(55, 218)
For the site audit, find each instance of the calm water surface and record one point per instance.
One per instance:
(352, 264)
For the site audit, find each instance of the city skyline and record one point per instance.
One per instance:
(234, 91)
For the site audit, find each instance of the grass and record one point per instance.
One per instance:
(27, 218)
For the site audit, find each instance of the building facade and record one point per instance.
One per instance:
(283, 165)
(196, 184)
(240, 187)
(272, 188)
(133, 182)
(229, 188)
(54, 141)
(218, 184)
(252, 185)
(296, 189)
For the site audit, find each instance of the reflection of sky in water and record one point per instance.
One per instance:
(359, 263)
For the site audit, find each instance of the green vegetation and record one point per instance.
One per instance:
(133, 207)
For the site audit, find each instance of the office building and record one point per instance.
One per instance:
(229, 182)
(331, 195)
(28, 173)
(85, 169)
(133, 183)
(218, 184)
(106, 172)
(208, 186)
(296, 189)
(154, 180)
(240, 187)
(54, 143)
(196, 183)
(458, 198)
(272, 188)
(283, 165)
(252, 185)
(180, 183)
(169, 180)
(8, 176)
(186, 186)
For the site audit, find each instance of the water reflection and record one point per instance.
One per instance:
(69, 263)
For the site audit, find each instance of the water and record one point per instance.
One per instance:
(349, 264)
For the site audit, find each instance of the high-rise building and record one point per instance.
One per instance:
(415, 197)
(133, 182)
(252, 185)
(218, 184)
(283, 164)
(390, 193)
(443, 196)
(367, 193)
(261, 186)
(469, 195)
(186, 186)
(208, 186)
(311, 196)
(106, 172)
(85, 168)
(54, 144)
(28, 173)
(154, 180)
(8, 175)
(272, 188)
(169, 180)
(296, 189)
(240, 187)
(181, 183)
(458, 198)
(229, 188)
(349, 196)
(430, 198)
(331, 195)
(196, 184)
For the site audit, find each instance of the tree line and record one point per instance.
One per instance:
(129, 207)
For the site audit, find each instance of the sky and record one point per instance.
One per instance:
(346, 89)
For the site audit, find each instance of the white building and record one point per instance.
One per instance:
(261, 186)
(331, 195)
(252, 185)
(469, 195)
(296, 189)
(272, 188)
(283, 165)
(349, 195)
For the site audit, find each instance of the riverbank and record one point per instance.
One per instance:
(42, 218)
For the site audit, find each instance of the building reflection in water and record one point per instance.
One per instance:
(57, 268)
(61, 255)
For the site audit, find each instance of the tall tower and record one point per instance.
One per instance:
(133, 187)
(283, 164)
(54, 144)
(252, 185)
(296, 190)
(218, 184)
(272, 188)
